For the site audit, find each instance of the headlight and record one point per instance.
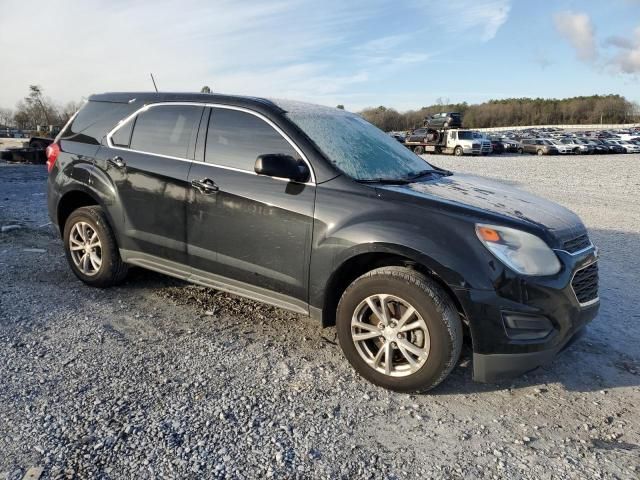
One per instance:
(521, 251)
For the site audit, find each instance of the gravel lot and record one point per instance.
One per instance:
(158, 378)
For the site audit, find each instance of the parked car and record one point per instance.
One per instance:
(597, 146)
(417, 135)
(627, 147)
(576, 145)
(613, 147)
(509, 145)
(444, 120)
(537, 146)
(498, 146)
(315, 210)
(587, 143)
(562, 148)
(485, 144)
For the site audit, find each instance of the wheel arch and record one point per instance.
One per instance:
(77, 196)
(361, 262)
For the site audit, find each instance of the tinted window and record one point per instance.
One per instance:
(95, 120)
(166, 130)
(122, 137)
(235, 139)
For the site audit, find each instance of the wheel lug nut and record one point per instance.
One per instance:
(393, 344)
(399, 335)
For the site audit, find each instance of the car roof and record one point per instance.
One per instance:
(143, 98)
(274, 105)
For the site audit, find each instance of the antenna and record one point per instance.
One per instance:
(154, 82)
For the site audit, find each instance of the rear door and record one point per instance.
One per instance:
(148, 160)
(259, 227)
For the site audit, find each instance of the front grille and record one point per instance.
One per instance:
(576, 244)
(585, 283)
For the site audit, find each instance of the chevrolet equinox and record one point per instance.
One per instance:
(314, 210)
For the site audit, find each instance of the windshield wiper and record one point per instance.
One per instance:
(385, 181)
(408, 179)
(422, 173)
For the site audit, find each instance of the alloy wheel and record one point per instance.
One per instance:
(390, 335)
(86, 248)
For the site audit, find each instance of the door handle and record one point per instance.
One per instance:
(117, 162)
(205, 186)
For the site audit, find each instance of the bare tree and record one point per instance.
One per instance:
(6, 117)
(36, 110)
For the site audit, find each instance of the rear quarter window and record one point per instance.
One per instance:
(94, 121)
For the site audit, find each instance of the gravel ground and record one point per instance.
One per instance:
(161, 379)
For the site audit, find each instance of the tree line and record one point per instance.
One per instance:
(515, 112)
(36, 110)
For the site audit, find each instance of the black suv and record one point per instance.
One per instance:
(315, 210)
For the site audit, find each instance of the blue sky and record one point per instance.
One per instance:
(403, 54)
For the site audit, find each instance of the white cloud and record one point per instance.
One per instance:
(627, 58)
(93, 46)
(578, 30)
(486, 16)
(618, 41)
(300, 48)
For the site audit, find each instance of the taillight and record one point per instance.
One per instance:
(52, 153)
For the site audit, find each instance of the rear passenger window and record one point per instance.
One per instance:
(166, 130)
(235, 139)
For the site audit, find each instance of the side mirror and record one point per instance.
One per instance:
(282, 166)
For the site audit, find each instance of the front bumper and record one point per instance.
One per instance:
(491, 368)
(499, 350)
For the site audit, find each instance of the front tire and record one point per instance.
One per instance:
(399, 329)
(91, 249)
(458, 152)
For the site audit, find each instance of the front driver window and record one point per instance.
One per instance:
(236, 138)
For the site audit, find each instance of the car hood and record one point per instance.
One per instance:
(482, 195)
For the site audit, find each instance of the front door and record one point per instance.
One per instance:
(259, 227)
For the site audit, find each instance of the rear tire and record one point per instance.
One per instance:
(422, 333)
(540, 152)
(418, 150)
(521, 151)
(91, 249)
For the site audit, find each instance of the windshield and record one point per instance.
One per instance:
(353, 145)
